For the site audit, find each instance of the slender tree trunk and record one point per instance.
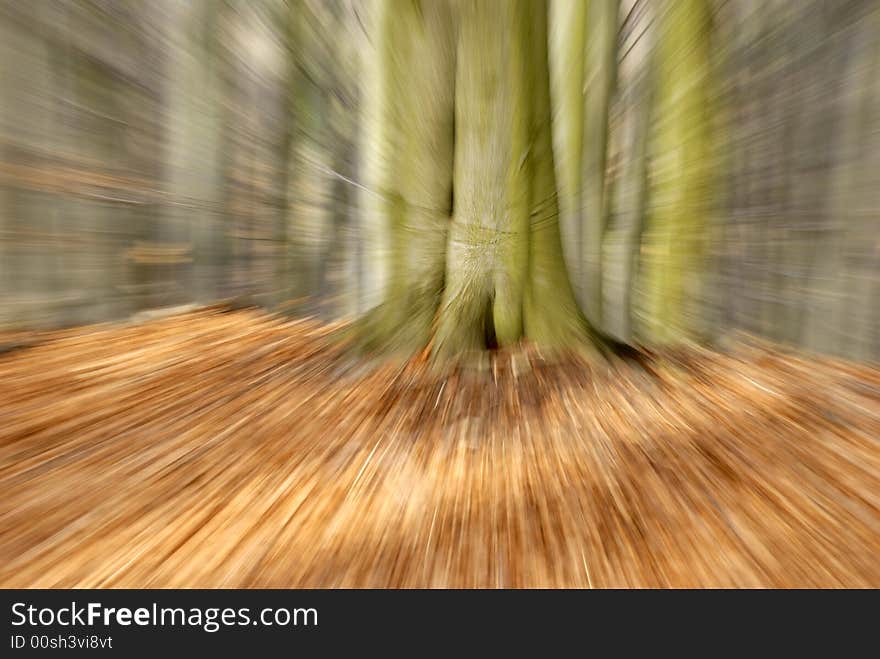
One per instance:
(672, 246)
(568, 28)
(599, 78)
(620, 246)
(583, 65)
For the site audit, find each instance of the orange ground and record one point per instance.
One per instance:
(236, 449)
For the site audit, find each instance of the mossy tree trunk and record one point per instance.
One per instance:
(673, 242)
(466, 108)
(583, 68)
(411, 140)
(599, 79)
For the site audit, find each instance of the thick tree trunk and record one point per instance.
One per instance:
(479, 96)
(412, 175)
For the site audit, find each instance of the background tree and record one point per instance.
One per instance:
(584, 53)
(673, 242)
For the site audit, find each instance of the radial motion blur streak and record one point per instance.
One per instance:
(448, 293)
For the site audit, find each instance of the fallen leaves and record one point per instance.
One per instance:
(240, 449)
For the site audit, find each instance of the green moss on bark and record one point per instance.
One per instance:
(498, 275)
(672, 245)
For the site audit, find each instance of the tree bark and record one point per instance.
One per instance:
(413, 174)
(472, 112)
(672, 245)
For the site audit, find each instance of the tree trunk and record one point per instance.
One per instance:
(626, 190)
(599, 79)
(412, 175)
(467, 106)
(583, 66)
(672, 245)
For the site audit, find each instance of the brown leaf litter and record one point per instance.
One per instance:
(244, 450)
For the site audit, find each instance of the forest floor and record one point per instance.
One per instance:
(239, 449)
